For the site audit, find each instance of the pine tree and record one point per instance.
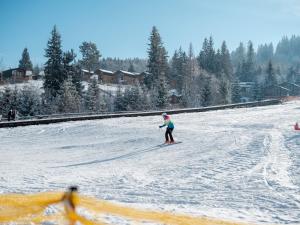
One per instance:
(258, 92)
(235, 94)
(211, 56)
(202, 58)
(69, 99)
(9, 100)
(25, 62)
(206, 94)
(157, 60)
(291, 76)
(54, 74)
(226, 64)
(119, 102)
(207, 56)
(70, 69)
(225, 92)
(92, 98)
(131, 68)
(29, 102)
(271, 75)
(179, 70)
(161, 100)
(218, 69)
(265, 53)
(238, 56)
(249, 66)
(90, 56)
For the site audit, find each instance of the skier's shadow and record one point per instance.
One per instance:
(128, 155)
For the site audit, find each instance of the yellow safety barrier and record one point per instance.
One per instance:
(30, 209)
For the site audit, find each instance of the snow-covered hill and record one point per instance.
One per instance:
(241, 164)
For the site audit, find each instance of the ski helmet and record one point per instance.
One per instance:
(164, 114)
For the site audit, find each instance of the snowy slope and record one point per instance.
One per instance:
(241, 164)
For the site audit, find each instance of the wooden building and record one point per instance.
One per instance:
(105, 76)
(16, 75)
(128, 78)
(86, 75)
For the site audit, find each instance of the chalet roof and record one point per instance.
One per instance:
(86, 71)
(128, 73)
(8, 73)
(105, 71)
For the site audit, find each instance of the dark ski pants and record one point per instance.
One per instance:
(169, 134)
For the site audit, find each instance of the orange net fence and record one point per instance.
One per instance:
(67, 208)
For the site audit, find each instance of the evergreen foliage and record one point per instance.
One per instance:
(25, 62)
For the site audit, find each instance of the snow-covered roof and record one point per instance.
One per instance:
(128, 73)
(86, 71)
(106, 71)
(42, 73)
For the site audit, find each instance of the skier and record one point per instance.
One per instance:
(170, 128)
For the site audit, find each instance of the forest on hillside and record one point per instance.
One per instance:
(200, 78)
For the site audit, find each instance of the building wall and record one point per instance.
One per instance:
(107, 78)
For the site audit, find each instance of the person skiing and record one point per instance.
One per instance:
(170, 127)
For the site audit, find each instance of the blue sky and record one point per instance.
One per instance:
(121, 28)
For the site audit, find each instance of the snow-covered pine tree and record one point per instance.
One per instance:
(9, 100)
(72, 70)
(225, 91)
(92, 96)
(119, 104)
(206, 94)
(161, 100)
(235, 94)
(29, 101)
(25, 62)
(70, 101)
(133, 98)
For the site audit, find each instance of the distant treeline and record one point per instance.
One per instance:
(195, 79)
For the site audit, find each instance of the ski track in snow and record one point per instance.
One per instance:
(240, 164)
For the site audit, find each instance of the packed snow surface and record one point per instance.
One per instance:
(239, 164)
